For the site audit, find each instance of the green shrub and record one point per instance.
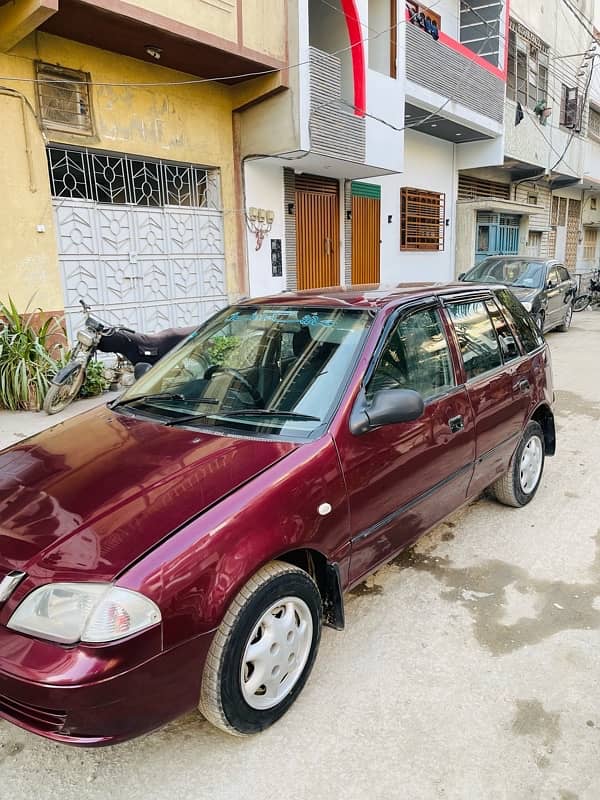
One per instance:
(95, 383)
(27, 361)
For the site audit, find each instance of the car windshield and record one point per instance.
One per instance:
(510, 272)
(257, 369)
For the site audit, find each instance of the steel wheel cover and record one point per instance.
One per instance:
(530, 468)
(276, 653)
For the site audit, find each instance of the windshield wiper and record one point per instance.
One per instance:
(244, 412)
(163, 396)
(270, 412)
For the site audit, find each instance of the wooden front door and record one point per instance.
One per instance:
(366, 225)
(317, 232)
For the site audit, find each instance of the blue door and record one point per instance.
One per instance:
(497, 234)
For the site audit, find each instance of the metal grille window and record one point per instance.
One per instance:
(569, 107)
(594, 123)
(120, 179)
(64, 99)
(527, 77)
(472, 188)
(422, 223)
(590, 242)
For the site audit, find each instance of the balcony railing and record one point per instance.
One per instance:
(446, 71)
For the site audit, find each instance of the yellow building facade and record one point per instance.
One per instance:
(134, 199)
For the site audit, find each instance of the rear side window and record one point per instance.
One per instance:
(526, 328)
(476, 337)
(563, 274)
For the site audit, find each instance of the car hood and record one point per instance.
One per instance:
(91, 495)
(524, 294)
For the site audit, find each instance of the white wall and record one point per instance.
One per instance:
(449, 12)
(264, 189)
(428, 164)
(384, 145)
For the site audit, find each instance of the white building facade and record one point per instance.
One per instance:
(410, 142)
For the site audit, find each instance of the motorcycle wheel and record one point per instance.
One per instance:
(60, 395)
(582, 302)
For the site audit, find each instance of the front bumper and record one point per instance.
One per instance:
(105, 710)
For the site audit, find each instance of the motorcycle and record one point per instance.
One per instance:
(135, 352)
(592, 296)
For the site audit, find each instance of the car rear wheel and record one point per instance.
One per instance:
(566, 324)
(519, 484)
(263, 651)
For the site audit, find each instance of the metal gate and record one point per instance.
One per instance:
(140, 241)
(317, 232)
(366, 225)
(497, 234)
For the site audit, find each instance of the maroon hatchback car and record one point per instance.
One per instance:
(182, 547)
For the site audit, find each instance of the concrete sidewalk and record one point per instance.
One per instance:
(468, 669)
(17, 425)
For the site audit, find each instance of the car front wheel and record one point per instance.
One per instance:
(519, 484)
(263, 651)
(566, 323)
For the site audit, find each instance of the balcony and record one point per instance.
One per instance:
(444, 71)
(208, 38)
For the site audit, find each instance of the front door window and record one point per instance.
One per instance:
(415, 357)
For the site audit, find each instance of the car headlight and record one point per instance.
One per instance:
(527, 305)
(83, 612)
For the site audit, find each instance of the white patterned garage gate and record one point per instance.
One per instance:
(140, 240)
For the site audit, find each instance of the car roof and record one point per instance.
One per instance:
(531, 259)
(370, 296)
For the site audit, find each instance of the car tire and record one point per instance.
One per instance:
(281, 605)
(518, 485)
(566, 324)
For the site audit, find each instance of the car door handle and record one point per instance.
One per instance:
(522, 386)
(456, 424)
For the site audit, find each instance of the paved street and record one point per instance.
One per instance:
(468, 668)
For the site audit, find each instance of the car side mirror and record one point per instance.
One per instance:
(461, 276)
(141, 368)
(386, 407)
(550, 284)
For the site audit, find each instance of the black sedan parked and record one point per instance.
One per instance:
(544, 286)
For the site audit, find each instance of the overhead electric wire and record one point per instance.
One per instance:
(214, 79)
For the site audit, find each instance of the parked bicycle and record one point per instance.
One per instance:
(130, 347)
(591, 296)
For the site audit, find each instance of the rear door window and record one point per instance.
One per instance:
(476, 337)
(508, 344)
(524, 325)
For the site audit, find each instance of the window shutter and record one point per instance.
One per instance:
(64, 99)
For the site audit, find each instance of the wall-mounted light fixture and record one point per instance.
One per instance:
(259, 222)
(154, 51)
